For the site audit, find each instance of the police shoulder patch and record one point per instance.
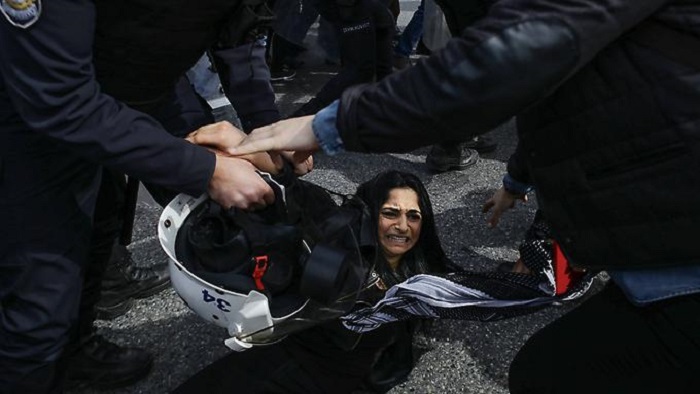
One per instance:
(21, 13)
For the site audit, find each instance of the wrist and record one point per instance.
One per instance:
(325, 130)
(515, 187)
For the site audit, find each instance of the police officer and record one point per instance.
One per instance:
(58, 128)
(365, 29)
(140, 55)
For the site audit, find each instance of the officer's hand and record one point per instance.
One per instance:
(236, 183)
(301, 167)
(501, 201)
(293, 134)
(220, 136)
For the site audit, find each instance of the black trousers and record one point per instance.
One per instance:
(608, 345)
(47, 198)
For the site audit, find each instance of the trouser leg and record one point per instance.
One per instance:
(106, 227)
(411, 34)
(394, 8)
(328, 40)
(46, 203)
(608, 345)
(384, 26)
(90, 360)
(292, 22)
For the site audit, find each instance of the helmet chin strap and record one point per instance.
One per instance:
(237, 345)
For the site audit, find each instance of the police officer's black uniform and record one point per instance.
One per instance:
(365, 29)
(142, 51)
(57, 127)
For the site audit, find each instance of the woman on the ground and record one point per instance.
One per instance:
(330, 358)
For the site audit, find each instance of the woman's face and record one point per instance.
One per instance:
(400, 221)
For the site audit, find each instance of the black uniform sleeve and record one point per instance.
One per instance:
(48, 73)
(514, 56)
(517, 168)
(245, 78)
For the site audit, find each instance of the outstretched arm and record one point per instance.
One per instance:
(293, 138)
(47, 75)
(222, 137)
(490, 73)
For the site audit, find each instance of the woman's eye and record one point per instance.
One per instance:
(390, 214)
(414, 217)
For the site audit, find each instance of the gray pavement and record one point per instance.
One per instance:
(455, 356)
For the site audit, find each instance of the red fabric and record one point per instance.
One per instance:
(259, 271)
(564, 276)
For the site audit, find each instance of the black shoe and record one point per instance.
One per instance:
(481, 144)
(101, 364)
(123, 281)
(282, 73)
(284, 59)
(112, 309)
(443, 158)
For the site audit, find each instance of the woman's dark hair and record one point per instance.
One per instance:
(427, 255)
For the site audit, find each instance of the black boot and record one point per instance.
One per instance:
(98, 363)
(481, 144)
(281, 73)
(284, 59)
(450, 156)
(123, 281)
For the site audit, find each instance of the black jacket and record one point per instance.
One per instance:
(54, 76)
(143, 47)
(608, 128)
(50, 101)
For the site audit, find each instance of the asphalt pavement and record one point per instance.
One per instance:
(453, 356)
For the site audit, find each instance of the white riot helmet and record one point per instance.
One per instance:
(258, 274)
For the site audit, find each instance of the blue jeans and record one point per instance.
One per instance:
(411, 34)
